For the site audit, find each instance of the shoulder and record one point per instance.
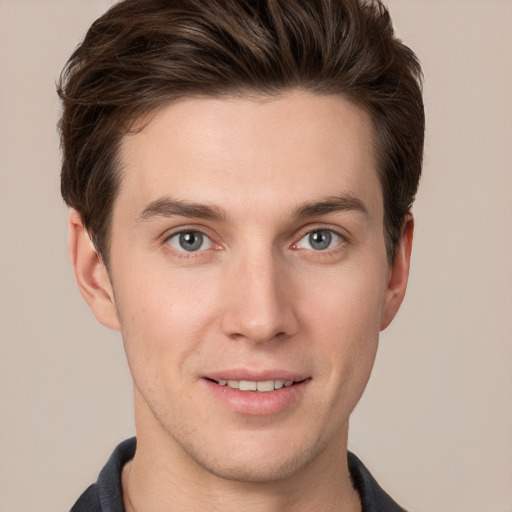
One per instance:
(88, 501)
(373, 497)
(106, 494)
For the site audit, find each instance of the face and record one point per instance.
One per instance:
(250, 280)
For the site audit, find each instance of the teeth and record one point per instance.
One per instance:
(247, 385)
(262, 386)
(267, 385)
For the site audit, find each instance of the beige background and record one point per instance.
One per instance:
(435, 425)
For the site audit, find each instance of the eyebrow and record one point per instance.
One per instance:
(331, 205)
(167, 207)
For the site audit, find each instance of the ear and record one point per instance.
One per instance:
(398, 274)
(91, 274)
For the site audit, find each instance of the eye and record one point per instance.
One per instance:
(190, 241)
(319, 240)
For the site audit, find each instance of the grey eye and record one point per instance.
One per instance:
(190, 241)
(319, 240)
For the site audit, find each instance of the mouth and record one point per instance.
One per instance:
(260, 386)
(257, 395)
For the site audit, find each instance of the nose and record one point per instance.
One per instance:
(258, 300)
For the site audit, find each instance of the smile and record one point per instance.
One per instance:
(263, 386)
(259, 397)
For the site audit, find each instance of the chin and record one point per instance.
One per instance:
(268, 462)
(258, 470)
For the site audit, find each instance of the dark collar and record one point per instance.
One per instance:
(106, 494)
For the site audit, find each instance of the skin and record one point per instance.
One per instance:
(256, 296)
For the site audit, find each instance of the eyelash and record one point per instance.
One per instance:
(203, 239)
(332, 235)
(182, 253)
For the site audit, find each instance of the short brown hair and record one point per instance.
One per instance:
(142, 54)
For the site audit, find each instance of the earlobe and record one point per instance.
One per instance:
(91, 274)
(399, 274)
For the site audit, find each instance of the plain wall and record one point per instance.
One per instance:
(435, 423)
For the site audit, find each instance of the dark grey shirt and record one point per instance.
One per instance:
(106, 494)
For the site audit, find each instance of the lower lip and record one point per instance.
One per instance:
(256, 403)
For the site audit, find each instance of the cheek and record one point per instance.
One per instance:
(163, 318)
(348, 301)
(345, 317)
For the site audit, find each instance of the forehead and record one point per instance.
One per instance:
(275, 152)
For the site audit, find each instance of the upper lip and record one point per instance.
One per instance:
(256, 375)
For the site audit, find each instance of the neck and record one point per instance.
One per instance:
(160, 478)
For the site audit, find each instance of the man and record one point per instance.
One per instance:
(240, 176)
